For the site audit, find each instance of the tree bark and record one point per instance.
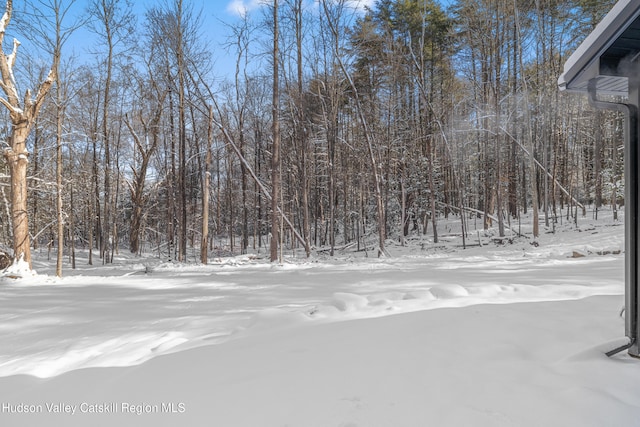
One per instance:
(275, 155)
(182, 137)
(59, 166)
(106, 232)
(302, 134)
(205, 191)
(17, 158)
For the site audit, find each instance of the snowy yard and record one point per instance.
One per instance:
(499, 335)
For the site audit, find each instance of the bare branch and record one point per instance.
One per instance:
(12, 109)
(136, 138)
(43, 90)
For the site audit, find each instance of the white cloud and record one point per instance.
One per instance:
(360, 4)
(242, 7)
(355, 5)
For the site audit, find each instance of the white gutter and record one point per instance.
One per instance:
(584, 64)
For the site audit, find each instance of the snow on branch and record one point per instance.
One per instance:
(12, 109)
(29, 104)
(11, 61)
(4, 22)
(11, 58)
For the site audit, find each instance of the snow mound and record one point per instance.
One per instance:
(19, 269)
(125, 350)
(348, 302)
(423, 294)
(448, 291)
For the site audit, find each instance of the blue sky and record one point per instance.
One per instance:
(215, 14)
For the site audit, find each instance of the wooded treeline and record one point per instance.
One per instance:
(389, 120)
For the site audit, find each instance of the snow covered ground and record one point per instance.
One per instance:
(498, 335)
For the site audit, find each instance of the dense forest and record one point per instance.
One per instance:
(335, 125)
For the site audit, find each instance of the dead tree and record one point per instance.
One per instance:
(22, 115)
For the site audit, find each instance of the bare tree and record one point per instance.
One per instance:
(114, 23)
(146, 144)
(368, 134)
(52, 13)
(22, 115)
(173, 28)
(43, 22)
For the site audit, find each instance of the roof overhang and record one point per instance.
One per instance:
(609, 54)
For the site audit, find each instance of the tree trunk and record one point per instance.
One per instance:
(205, 191)
(331, 140)
(95, 204)
(59, 118)
(432, 191)
(22, 118)
(17, 158)
(301, 132)
(71, 228)
(275, 156)
(597, 160)
(106, 232)
(171, 190)
(182, 136)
